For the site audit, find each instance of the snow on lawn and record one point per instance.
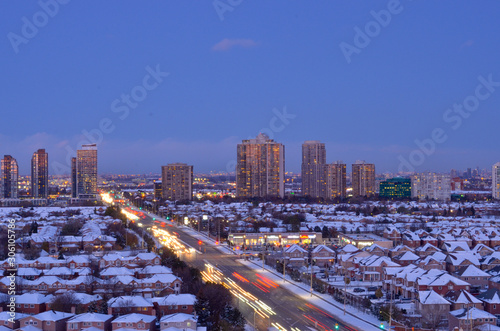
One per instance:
(358, 319)
(43, 212)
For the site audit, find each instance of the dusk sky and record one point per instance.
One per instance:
(298, 70)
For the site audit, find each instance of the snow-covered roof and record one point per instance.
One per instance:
(431, 298)
(473, 271)
(179, 317)
(184, 299)
(472, 313)
(91, 317)
(134, 318)
(129, 301)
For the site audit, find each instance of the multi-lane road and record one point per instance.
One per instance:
(261, 300)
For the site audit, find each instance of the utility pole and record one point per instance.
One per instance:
(262, 260)
(470, 319)
(283, 268)
(346, 281)
(311, 279)
(390, 306)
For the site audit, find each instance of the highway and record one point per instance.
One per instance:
(259, 298)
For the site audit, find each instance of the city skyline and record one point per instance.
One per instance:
(453, 171)
(304, 72)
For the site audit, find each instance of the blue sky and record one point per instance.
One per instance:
(228, 78)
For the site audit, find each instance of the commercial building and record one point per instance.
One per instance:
(495, 181)
(84, 173)
(335, 180)
(275, 238)
(363, 179)
(364, 239)
(9, 178)
(396, 187)
(260, 169)
(431, 186)
(177, 181)
(313, 169)
(40, 174)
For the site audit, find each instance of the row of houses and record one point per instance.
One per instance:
(33, 303)
(475, 235)
(60, 321)
(127, 259)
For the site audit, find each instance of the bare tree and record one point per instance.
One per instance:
(64, 302)
(434, 317)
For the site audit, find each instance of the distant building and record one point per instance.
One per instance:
(396, 187)
(158, 189)
(177, 181)
(313, 169)
(495, 181)
(457, 184)
(431, 186)
(363, 179)
(335, 180)
(9, 178)
(84, 172)
(73, 177)
(260, 169)
(40, 174)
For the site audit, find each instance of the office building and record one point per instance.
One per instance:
(177, 181)
(431, 186)
(84, 173)
(313, 169)
(397, 187)
(40, 174)
(495, 180)
(363, 179)
(335, 180)
(260, 169)
(9, 178)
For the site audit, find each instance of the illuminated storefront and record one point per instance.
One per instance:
(275, 238)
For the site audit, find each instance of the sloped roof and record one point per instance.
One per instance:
(431, 298)
(472, 271)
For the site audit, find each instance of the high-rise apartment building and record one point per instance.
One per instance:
(177, 181)
(363, 179)
(335, 180)
(9, 178)
(73, 177)
(260, 169)
(431, 186)
(84, 172)
(495, 180)
(40, 174)
(158, 189)
(313, 169)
